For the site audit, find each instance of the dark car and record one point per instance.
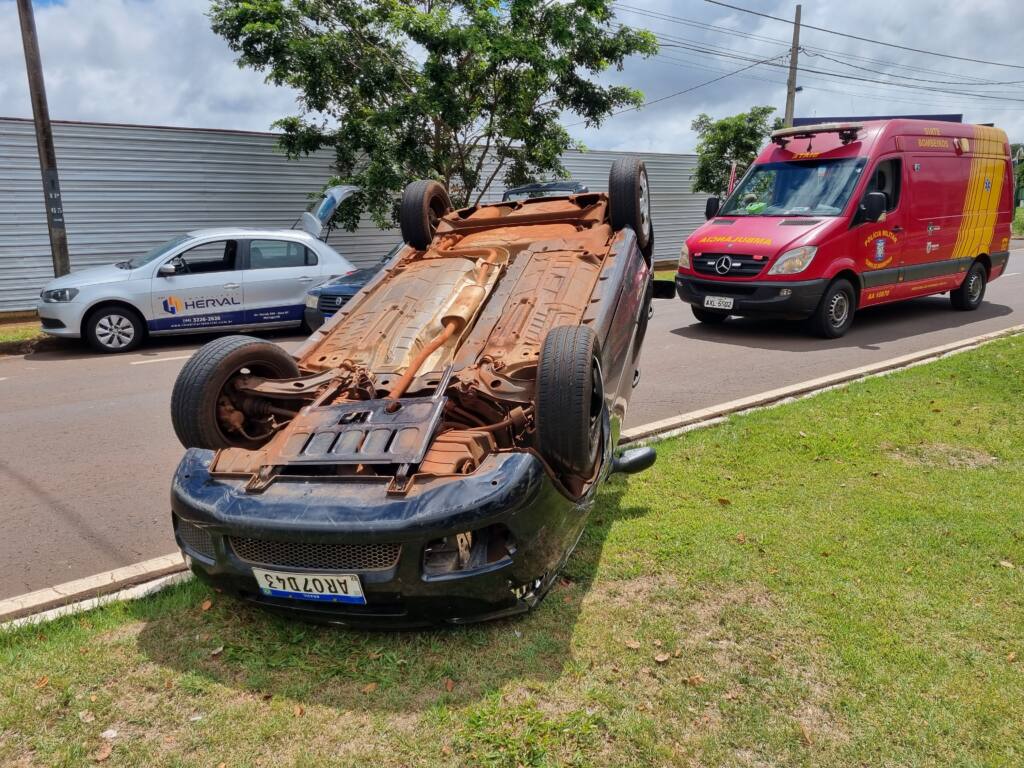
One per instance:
(431, 453)
(545, 189)
(324, 300)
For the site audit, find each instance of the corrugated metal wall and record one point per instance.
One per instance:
(127, 188)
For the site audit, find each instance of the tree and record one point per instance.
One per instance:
(720, 142)
(1018, 174)
(463, 91)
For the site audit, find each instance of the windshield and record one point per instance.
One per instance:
(155, 253)
(803, 188)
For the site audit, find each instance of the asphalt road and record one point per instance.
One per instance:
(87, 451)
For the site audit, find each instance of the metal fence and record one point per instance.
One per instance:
(126, 188)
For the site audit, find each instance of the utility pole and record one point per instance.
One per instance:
(44, 141)
(794, 53)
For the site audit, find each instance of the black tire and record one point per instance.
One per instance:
(114, 328)
(971, 292)
(424, 202)
(202, 381)
(570, 400)
(630, 198)
(709, 316)
(835, 311)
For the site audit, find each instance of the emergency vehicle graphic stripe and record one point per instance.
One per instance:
(984, 193)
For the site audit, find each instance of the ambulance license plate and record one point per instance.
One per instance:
(717, 302)
(320, 587)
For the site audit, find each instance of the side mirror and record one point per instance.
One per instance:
(874, 205)
(664, 289)
(711, 207)
(168, 269)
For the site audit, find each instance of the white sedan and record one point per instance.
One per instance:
(204, 281)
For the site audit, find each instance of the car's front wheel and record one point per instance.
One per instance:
(835, 311)
(115, 328)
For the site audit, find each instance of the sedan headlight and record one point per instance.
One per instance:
(311, 300)
(59, 295)
(684, 257)
(794, 261)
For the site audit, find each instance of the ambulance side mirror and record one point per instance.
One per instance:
(874, 205)
(711, 207)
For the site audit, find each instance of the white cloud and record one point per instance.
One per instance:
(157, 62)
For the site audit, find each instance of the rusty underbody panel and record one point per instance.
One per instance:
(432, 366)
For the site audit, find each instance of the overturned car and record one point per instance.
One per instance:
(430, 454)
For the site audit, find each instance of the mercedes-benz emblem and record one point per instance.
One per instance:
(723, 265)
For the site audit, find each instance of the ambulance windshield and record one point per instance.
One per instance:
(796, 188)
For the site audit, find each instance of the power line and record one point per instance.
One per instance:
(866, 39)
(686, 90)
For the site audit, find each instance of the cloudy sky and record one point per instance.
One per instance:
(157, 62)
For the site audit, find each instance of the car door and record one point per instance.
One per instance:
(882, 244)
(204, 291)
(276, 277)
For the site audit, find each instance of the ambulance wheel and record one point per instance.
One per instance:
(570, 400)
(114, 328)
(709, 316)
(971, 292)
(835, 311)
(424, 202)
(204, 395)
(629, 197)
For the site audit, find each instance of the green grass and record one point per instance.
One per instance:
(15, 332)
(834, 582)
(664, 274)
(1018, 222)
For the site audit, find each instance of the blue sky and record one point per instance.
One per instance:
(157, 62)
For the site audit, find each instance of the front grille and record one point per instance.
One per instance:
(196, 539)
(329, 557)
(740, 264)
(330, 304)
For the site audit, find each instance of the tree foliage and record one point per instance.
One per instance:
(720, 142)
(463, 91)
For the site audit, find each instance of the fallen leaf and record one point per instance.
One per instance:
(86, 716)
(449, 685)
(110, 733)
(1006, 564)
(1011, 656)
(662, 658)
(741, 537)
(374, 655)
(446, 750)
(217, 651)
(633, 645)
(657, 643)
(103, 752)
(41, 682)
(207, 604)
(677, 652)
(724, 502)
(92, 698)
(369, 688)
(222, 765)
(267, 696)
(195, 718)
(803, 434)
(695, 680)
(299, 711)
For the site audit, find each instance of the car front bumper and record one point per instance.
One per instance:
(215, 518)
(791, 298)
(62, 318)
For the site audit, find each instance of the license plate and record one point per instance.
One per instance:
(717, 302)
(321, 587)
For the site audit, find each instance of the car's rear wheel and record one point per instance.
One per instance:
(709, 316)
(203, 397)
(570, 400)
(424, 202)
(971, 292)
(629, 197)
(835, 311)
(115, 328)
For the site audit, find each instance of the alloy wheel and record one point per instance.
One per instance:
(115, 331)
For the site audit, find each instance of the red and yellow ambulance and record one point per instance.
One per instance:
(835, 217)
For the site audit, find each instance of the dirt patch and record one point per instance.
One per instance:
(943, 455)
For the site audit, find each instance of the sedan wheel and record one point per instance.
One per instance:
(115, 329)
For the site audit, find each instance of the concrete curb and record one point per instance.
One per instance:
(91, 587)
(675, 424)
(145, 578)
